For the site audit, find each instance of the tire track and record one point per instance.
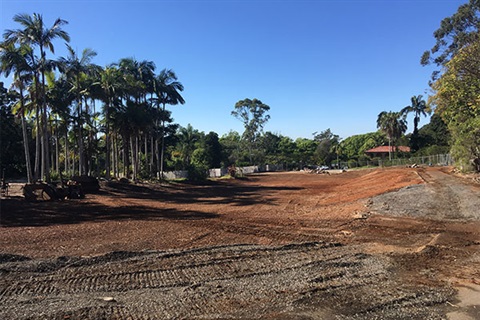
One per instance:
(239, 281)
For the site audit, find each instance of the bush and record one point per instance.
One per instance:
(197, 173)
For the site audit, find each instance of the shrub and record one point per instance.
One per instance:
(197, 172)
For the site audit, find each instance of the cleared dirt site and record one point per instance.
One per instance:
(396, 243)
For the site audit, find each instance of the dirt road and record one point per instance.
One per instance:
(370, 244)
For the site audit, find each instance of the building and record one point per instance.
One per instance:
(383, 151)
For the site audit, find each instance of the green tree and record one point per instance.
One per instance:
(110, 83)
(355, 146)
(287, 151)
(418, 107)
(254, 115)
(76, 70)
(456, 100)
(434, 133)
(19, 60)
(187, 143)
(167, 89)
(393, 124)
(10, 136)
(36, 34)
(327, 146)
(231, 146)
(269, 146)
(455, 32)
(304, 153)
(213, 150)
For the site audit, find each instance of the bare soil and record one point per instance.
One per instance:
(370, 244)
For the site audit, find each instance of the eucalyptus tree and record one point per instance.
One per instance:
(456, 85)
(167, 89)
(393, 124)
(254, 115)
(35, 34)
(455, 33)
(19, 61)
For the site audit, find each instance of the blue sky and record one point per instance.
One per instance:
(317, 63)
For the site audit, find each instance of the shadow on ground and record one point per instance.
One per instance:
(16, 212)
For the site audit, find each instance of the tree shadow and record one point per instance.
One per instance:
(211, 192)
(16, 212)
(20, 213)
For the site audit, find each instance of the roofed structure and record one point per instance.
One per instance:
(383, 151)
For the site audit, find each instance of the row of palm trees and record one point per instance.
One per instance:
(394, 124)
(60, 96)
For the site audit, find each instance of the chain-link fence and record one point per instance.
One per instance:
(433, 160)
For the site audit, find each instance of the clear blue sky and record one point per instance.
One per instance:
(318, 64)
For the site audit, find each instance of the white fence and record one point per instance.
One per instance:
(217, 173)
(220, 172)
(179, 174)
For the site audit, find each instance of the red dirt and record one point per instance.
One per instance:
(275, 208)
(265, 209)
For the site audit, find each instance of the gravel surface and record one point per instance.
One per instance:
(236, 281)
(442, 196)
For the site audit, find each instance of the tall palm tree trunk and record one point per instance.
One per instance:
(115, 154)
(67, 168)
(57, 148)
(25, 139)
(152, 153)
(45, 145)
(81, 159)
(37, 144)
(146, 152)
(163, 145)
(107, 143)
(157, 152)
(126, 165)
(132, 154)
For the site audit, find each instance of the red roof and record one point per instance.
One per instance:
(382, 149)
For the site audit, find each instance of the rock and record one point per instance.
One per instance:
(108, 299)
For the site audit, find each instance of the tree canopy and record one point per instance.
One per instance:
(254, 115)
(455, 32)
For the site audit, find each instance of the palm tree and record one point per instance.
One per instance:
(110, 84)
(60, 98)
(187, 138)
(393, 124)
(36, 34)
(418, 107)
(76, 69)
(18, 60)
(167, 89)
